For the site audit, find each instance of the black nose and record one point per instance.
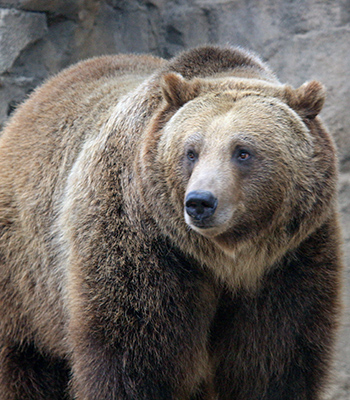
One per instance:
(200, 204)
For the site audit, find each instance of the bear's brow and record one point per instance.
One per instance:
(242, 139)
(195, 138)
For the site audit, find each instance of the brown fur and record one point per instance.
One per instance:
(106, 279)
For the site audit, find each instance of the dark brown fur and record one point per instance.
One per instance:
(105, 291)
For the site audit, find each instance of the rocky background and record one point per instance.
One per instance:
(300, 39)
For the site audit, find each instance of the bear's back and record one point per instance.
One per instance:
(46, 133)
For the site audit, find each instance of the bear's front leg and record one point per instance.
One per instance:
(28, 374)
(139, 326)
(275, 344)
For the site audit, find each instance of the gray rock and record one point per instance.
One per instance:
(18, 29)
(65, 7)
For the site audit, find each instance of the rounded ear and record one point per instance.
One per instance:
(308, 99)
(177, 91)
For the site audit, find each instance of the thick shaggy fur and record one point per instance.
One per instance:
(110, 289)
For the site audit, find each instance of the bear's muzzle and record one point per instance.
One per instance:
(200, 204)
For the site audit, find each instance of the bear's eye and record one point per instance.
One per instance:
(191, 155)
(243, 155)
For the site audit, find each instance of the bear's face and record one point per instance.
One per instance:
(235, 158)
(236, 163)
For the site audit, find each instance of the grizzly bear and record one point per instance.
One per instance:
(168, 230)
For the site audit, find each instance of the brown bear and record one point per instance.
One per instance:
(168, 230)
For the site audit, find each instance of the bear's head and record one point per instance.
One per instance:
(241, 163)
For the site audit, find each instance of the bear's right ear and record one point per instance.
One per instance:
(308, 99)
(177, 91)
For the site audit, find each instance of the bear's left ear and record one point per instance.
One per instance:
(177, 91)
(308, 99)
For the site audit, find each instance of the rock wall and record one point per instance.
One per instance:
(300, 39)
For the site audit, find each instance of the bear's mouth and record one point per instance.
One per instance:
(210, 227)
(201, 224)
(206, 227)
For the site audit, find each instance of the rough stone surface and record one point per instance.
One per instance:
(300, 39)
(18, 29)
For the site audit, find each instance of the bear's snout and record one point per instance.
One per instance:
(200, 204)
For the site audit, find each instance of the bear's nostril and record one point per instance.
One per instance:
(200, 204)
